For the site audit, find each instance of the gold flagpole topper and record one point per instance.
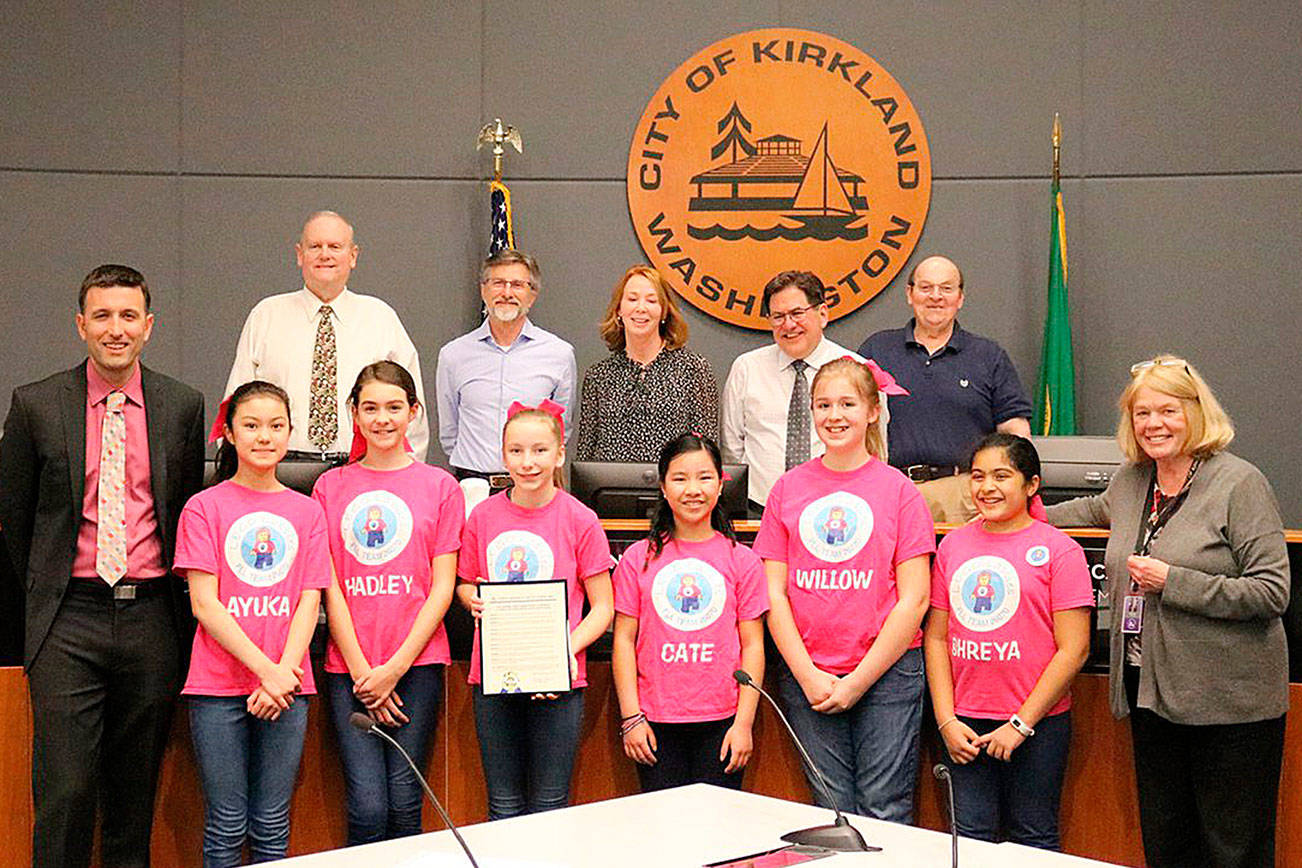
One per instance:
(496, 134)
(1057, 145)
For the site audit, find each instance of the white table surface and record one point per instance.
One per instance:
(688, 826)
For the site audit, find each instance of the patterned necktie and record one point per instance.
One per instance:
(111, 534)
(323, 416)
(798, 414)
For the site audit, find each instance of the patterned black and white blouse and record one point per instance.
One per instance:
(630, 411)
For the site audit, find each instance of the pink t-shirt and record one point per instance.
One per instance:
(1001, 590)
(385, 527)
(265, 548)
(688, 602)
(504, 542)
(841, 536)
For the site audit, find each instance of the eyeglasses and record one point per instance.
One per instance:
(945, 289)
(499, 284)
(1137, 367)
(794, 315)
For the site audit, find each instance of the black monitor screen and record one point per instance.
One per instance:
(616, 490)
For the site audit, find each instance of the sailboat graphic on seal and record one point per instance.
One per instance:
(816, 196)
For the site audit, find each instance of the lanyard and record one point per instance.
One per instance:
(1158, 514)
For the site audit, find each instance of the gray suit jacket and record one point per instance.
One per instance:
(43, 481)
(1214, 649)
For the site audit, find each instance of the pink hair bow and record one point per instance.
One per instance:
(357, 450)
(547, 405)
(219, 424)
(885, 382)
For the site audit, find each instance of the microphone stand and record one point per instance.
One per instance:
(941, 771)
(839, 835)
(365, 724)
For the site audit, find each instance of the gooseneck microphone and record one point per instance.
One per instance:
(365, 724)
(941, 771)
(840, 835)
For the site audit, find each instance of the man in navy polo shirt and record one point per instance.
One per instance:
(961, 387)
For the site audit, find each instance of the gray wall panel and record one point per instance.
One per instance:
(575, 77)
(986, 77)
(90, 85)
(338, 88)
(1199, 86)
(66, 225)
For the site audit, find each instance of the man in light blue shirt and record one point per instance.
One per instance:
(506, 359)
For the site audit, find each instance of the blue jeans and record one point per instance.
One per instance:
(527, 747)
(1023, 793)
(868, 753)
(384, 797)
(247, 767)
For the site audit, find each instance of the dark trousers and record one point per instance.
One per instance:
(103, 688)
(384, 797)
(1020, 796)
(688, 753)
(1207, 794)
(527, 747)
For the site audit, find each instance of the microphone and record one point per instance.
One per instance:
(364, 723)
(840, 835)
(941, 771)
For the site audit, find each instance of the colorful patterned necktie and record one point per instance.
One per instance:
(798, 417)
(111, 533)
(323, 417)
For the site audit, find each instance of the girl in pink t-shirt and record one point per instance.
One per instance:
(256, 559)
(394, 526)
(846, 541)
(688, 602)
(1009, 629)
(534, 531)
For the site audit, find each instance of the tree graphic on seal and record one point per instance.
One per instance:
(733, 121)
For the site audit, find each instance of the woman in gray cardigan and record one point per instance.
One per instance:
(1198, 580)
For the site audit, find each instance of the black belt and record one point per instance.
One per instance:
(928, 472)
(496, 481)
(124, 590)
(334, 459)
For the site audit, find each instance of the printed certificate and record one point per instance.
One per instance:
(524, 637)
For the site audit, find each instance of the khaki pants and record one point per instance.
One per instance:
(949, 499)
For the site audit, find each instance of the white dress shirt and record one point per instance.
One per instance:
(277, 343)
(753, 414)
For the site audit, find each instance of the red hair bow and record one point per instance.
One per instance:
(547, 405)
(219, 424)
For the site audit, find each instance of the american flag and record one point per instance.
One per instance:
(499, 209)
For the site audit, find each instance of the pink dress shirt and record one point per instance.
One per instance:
(144, 547)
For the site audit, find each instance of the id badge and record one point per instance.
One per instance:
(1132, 614)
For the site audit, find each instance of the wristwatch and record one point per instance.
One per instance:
(1018, 724)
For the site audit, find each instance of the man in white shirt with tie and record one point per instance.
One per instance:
(766, 421)
(313, 343)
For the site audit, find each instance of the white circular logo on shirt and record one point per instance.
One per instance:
(1037, 556)
(260, 548)
(689, 594)
(984, 593)
(836, 527)
(376, 527)
(519, 556)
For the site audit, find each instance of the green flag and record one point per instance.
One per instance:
(1055, 398)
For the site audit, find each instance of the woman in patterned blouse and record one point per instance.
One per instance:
(650, 388)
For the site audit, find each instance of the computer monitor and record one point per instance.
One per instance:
(618, 490)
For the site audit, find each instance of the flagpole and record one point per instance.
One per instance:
(1057, 147)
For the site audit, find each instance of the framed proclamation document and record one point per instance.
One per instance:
(524, 637)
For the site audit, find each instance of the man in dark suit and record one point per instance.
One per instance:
(95, 465)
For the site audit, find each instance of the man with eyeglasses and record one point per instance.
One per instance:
(961, 387)
(313, 343)
(765, 417)
(508, 358)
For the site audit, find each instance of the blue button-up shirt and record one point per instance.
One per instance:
(956, 396)
(477, 380)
